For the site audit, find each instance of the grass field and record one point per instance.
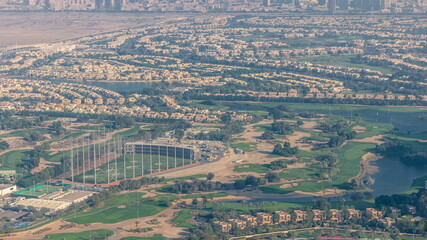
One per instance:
(120, 208)
(372, 129)
(181, 219)
(155, 237)
(9, 160)
(297, 173)
(350, 156)
(323, 107)
(270, 206)
(345, 61)
(244, 146)
(208, 196)
(37, 191)
(22, 133)
(139, 167)
(93, 234)
(258, 168)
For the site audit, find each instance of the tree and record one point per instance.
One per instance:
(272, 177)
(195, 202)
(267, 135)
(210, 176)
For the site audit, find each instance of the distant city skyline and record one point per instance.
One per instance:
(321, 6)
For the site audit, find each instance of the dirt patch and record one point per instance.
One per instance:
(289, 185)
(121, 206)
(359, 129)
(379, 139)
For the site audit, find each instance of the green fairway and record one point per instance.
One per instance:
(155, 237)
(22, 133)
(323, 107)
(350, 156)
(372, 129)
(244, 146)
(298, 173)
(208, 195)
(9, 160)
(258, 168)
(143, 163)
(181, 219)
(345, 61)
(119, 208)
(270, 206)
(93, 234)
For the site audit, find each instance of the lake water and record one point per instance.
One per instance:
(394, 176)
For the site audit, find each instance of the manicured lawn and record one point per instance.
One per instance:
(244, 146)
(101, 234)
(262, 127)
(208, 196)
(258, 168)
(122, 212)
(142, 163)
(9, 160)
(22, 133)
(155, 237)
(297, 173)
(270, 206)
(129, 132)
(182, 217)
(372, 129)
(188, 177)
(350, 156)
(345, 61)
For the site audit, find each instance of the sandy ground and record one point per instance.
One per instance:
(365, 167)
(375, 139)
(43, 164)
(40, 27)
(359, 129)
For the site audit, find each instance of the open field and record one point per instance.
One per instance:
(120, 208)
(43, 27)
(345, 61)
(38, 190)
(22, 133)
(155, 237)
(257, 106)
(10, 159)
(350, 156)
(182, 219)
(93, 234)
(244, 146)
(258, 168)
(159, 163)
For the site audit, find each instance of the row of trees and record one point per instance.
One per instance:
(285, 150)
(197, 185)
(407, 154)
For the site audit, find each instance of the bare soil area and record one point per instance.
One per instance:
(28, 28)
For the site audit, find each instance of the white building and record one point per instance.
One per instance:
(7, 189)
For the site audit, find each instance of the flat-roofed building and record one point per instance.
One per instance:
(283, 216)
(264, 218)
(373, 213)
(249, 219)
(238, 223)
(336, 215)
(299, 216)
(222, 226)
(318, 215)
(7, 189)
